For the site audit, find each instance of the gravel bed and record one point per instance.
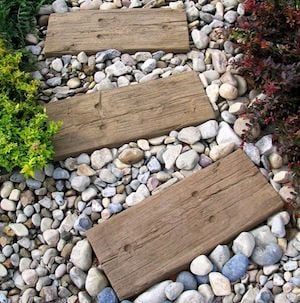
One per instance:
(45, 256)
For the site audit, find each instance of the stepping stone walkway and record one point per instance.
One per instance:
(126, 30)
(113, 117)
(165, 232)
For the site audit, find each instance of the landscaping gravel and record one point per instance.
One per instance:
(45, 256)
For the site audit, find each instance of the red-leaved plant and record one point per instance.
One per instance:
(269, 36)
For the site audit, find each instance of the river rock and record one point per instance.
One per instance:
(187, 160)
(228, 91)
(95, 281)
(19, 229)
(80, 183)
(235, 268)
(219, 61)
(220, 255)
(171, 154)
(201, 266)
(206, 292)
(173, 290)
(30, 277)
(101, 157)
(244, 244)
(189, 135)
(8, 205)
(190, 296)
(187, 279)
(267, 255)
(107, 295)
(227, 135)
(81, 255)
(155, 294)
(219, 284)
(220, 151)
(209, 129)
(60, 6)
(131, 155)
(200, 39)
(78, 277)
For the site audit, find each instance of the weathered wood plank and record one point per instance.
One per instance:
(162, 234)
(116, 116)
(126, 30)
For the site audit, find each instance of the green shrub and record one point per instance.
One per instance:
(25, 132)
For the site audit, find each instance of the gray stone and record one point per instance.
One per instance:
(219, 61)
(219, 284)
(227, 135)
(101, 157)
(107, 55)
(201, 266)
(81, 255)
(230, 16)
(148, 66)
(200, 39)
(265, 145)
(153, 165)
(244, 244)
(60, 6)
(78, 277)
(57, 65)
(267, 255)
(209, 129)
(189, 135)
(55, 81)
(171, 154)
(107, 176)
(80, 183)
(155, 294)
(173, 290)
(220, 255)
(190, 296)
(252, 152)
(95, 281)
(187, 160)
(117, 69)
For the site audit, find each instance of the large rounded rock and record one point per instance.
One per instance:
(267, 255)
(190, 296)
(236, 267)
(95, 281)
(228, 91)
(201, 266)
(187, 160)
(81, 255)
(131, 155)
(101, 157)
(188, 280)
(219, 284)
(244, 244)
(80, 183)
(155, 294)
(173, 290)
(200, 39)
(107, 295)
(189, 135)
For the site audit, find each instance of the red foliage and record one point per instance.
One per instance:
(269, 36)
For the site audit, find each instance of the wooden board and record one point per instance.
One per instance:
(126, 30)
(161, 235)
(116, 116)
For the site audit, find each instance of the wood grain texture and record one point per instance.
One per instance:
(117, 116)
(161, 235)
(126, 30)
